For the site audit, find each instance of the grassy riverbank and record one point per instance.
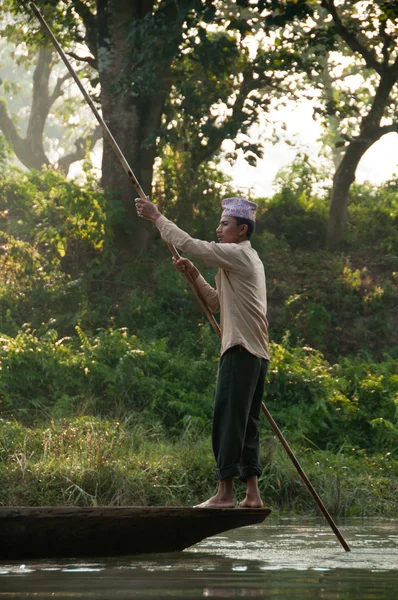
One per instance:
(108, 366)
(88, 461)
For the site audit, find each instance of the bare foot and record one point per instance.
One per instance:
(217, 502)
(253, 498)
(251, 503)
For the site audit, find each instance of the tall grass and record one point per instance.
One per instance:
(91, 462)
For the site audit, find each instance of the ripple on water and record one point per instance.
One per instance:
(290, 546)
(284, 561)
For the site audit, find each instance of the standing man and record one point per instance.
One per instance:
(240, 298)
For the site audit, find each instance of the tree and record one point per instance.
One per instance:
(30, 148)
(143, 53)
(198, 117)
(50, 134)
(350, 60)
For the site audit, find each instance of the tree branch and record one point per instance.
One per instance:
(351, 39)
(90, 60)
(232, 124)
(83, 144)
(90, 23)
(8, 128)
(380, 100)
(41, 102)
(386, 45)
(30, 157)
(393, 128)
(57, 91)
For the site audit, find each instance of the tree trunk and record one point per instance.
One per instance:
(344, 177)
(30, 150)
(345, 174)
(131, 121)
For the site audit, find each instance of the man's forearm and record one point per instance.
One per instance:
(194, 272)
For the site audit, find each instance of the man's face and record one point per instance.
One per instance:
(229, 232)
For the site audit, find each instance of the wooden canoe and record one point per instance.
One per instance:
(55, 532)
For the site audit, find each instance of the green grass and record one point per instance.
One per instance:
(87, 461)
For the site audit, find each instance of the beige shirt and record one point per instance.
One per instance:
(240, 295)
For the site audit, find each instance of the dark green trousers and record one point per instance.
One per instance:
(236, 419)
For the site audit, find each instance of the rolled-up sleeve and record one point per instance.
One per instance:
(224, 256)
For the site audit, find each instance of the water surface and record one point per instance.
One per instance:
(285, 560)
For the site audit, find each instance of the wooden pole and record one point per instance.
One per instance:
(191, 281)
(304, 477)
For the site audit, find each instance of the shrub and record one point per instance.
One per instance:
(373, 219)
(109, 373)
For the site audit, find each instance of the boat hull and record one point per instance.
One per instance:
(66, 532)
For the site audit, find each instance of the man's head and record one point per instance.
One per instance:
(237, 221)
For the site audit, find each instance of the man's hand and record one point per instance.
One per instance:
(147, 209)
(184, 265)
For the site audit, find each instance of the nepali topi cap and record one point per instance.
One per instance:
(239, 207)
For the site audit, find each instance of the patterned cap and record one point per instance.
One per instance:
(239, 207)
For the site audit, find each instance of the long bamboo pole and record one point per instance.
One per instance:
(191, 281)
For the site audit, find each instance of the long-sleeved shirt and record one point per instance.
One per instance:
(240, 295)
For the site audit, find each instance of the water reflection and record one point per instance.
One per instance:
(284, 561)
(229, 593)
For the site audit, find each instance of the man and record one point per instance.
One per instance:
(240, 298)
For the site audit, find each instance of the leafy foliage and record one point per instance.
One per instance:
(52, 231)
(374, 217)
(113, 373)
(333, 406)
(345, 48)
(86, 344)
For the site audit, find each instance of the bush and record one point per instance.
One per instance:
(297, 213)
(110, 373)
(52, 231)
(373, 219)
(352, 404)
(116, 374)
(300, 222)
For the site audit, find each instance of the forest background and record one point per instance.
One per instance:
(107, 365)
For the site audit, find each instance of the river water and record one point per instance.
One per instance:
(284, 560)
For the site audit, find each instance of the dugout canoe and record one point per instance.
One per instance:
(67, 532)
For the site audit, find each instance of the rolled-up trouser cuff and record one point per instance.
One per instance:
(228, 471)
(248, 471)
